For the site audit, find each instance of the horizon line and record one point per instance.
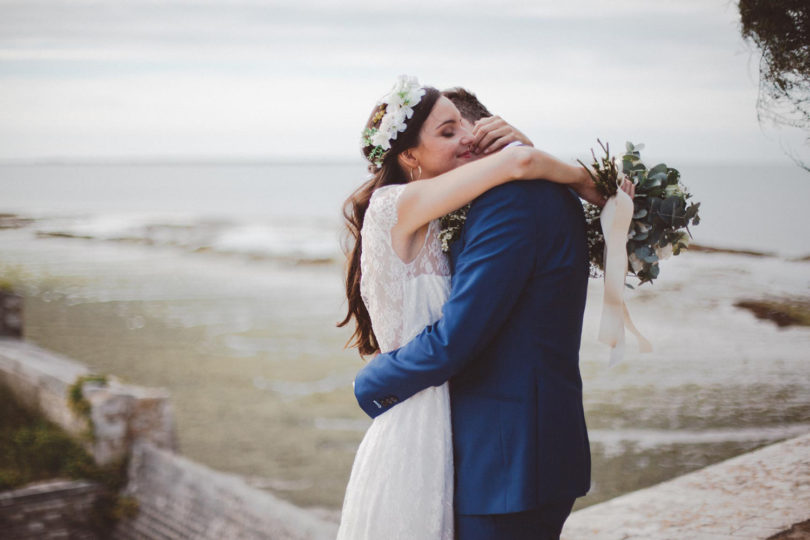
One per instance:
(146, 160)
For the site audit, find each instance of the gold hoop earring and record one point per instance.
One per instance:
(419, 177)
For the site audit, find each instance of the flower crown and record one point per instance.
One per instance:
(394, 109)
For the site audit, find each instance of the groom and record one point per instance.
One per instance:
(508, 342)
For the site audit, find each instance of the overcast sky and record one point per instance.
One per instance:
(291, 80)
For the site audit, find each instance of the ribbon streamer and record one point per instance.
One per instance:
(615, 218)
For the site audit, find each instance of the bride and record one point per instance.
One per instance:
(423, 167)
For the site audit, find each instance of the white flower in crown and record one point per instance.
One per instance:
(405, 94)
(398, 117)
(382, 137)
(399, 103)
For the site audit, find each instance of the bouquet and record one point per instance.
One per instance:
(661, 214)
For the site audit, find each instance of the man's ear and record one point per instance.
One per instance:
(407, 160)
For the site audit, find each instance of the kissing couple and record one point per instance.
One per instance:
(475, 391)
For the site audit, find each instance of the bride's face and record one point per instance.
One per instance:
(444, 142)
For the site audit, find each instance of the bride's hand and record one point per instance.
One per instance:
(628, 187)
(586, 189)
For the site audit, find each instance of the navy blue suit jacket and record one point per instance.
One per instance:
(508, 342)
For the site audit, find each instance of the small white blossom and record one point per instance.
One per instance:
(399, 107)
(635, 263)
(673, 190)
(406, 92)
(398, 117)
(382, 138)
(664, 252)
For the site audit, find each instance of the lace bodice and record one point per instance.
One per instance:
(401, 485)
(401, 298)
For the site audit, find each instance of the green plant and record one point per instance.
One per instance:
(79, 404)
(33, 449)
(661, 214)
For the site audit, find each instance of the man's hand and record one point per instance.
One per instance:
(493, 133)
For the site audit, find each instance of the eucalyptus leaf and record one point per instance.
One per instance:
(660, 168)
(646, 254)
(671, 212)
(656, 235)
(652, 182)
(627, 165)
(660, 210)
(673, 176)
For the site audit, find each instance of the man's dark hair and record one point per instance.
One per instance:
(467, 104)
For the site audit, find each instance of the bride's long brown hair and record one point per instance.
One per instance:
(354, 212)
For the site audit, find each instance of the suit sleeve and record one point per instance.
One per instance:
(491, 270)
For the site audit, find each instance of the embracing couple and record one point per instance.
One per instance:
(476, 394)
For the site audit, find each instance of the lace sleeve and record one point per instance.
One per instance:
(382, 208)
(383, 274)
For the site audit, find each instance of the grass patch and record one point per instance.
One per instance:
(784, 312)
(79, 404)
(34, 449)
(6, 285)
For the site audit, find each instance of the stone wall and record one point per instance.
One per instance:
(178, 498)
(11, 316)
(754, 496)
(55, 509)
(120, 413)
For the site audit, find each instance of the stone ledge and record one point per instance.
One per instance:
(45, 489)
(752, 496)
(120, 413)
(50, 509)
(179, 498)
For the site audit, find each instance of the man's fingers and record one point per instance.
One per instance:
(484, 126)
(499, 143)
(492, 136)
(483, 122)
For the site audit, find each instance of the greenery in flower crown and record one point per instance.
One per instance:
(395, 108)
(661, 214)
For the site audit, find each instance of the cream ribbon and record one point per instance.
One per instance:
(616, 217)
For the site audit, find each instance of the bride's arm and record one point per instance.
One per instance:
(424, 201)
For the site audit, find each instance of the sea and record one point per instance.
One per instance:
(223, 282)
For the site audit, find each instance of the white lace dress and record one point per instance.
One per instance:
(401, 485)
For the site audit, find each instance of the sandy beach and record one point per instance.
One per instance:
(261, 383)
(223, 284)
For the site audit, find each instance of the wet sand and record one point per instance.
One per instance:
(261, 384)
